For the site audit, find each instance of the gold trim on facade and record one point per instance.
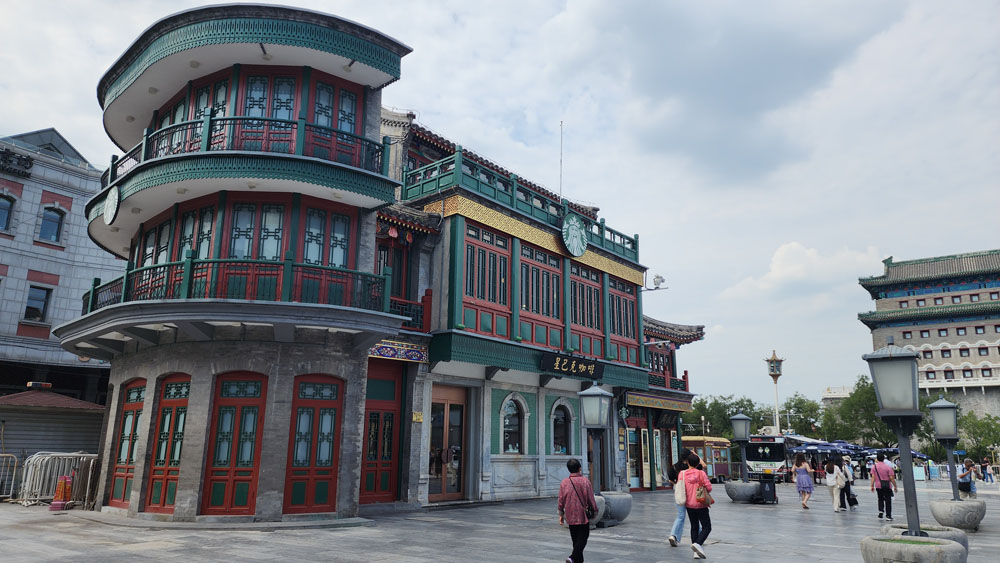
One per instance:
(639, 400)
(458, 205)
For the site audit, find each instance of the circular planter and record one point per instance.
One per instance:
(601, 504)
(940, 532)
(964, 514)
(878, 549)
(617, 506)
(739, 491)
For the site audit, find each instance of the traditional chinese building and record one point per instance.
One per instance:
(326, 305)
(652, 424)
(947, 309)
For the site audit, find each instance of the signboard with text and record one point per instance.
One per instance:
(560, 364)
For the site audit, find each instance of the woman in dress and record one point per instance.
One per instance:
(803, 479)
(835, 480)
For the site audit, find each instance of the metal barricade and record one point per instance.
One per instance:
(41, 477)
(8, 475)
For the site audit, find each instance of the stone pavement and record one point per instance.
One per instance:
(511, 531)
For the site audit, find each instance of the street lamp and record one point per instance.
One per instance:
(894, 375)
(945, 416)
(774, 370)
(596, 406)
(741, 435)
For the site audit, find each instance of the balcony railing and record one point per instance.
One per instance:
(669, 381)
(418, 311)
(252, 280)
(505, 190)
(252, 134)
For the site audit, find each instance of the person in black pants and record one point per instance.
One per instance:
(884, 482)
(701, 521)
(576, 494)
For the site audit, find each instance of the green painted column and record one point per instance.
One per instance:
(652, 449)
(640, 327)
(515, 289)
(456, 265)
(567, 303)
(234, 87)
(605, 297)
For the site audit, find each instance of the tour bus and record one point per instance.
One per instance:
(715, 453)
(766, 455)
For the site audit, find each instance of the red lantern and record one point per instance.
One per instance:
(393, 232)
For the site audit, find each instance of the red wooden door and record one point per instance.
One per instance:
(380, 458)
(234, 444)
(169, 438)
(314, 445)
(123, 472)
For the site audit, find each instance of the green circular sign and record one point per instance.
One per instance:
(574, 235)
(111, 205)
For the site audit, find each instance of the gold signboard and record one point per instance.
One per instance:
(655, 402)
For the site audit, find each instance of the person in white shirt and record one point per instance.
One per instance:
(845, 491)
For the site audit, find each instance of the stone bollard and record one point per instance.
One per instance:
(940, 532)
(601, 504)
(964, 514)
(879, 549)
(618, 505)
(739, 491)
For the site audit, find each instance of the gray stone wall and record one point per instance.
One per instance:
(280, 363)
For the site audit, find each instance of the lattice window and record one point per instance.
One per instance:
(178, 390)
(220, 98)
(205, 232)
(315, 236)
(321, 391)
(272, 217)
(241, 238)
(323, 108)
(163, 243)
(324, 438)
(135, 395)
(283, 102)
(163, 439)
(185, 240)
(255, 101)
(387, 428)
(241, 389)
(248, 436)
(347, 115)
(371, 451)
(224, 437)
(303, 437)
(340, 226)
(175, 450)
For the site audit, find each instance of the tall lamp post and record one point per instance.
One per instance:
(945, 416)
(741, 435)
(596, 406)
(774, 370)
(894, 375)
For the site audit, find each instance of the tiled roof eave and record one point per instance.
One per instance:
(882, 281)
(874, 317)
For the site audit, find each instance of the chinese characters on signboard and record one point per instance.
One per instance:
(15, 164)
(570, 365)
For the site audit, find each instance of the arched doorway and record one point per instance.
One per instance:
(314, 444)
(169, 436)
(234, 444)
(123, 472)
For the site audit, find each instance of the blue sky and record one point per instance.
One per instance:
(767, 153)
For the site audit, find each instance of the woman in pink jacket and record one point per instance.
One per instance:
(575, 495)
(701, 522)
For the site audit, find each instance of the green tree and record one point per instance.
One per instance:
(717, 409)
(978, 433)
(804, 415)
(833, 428)
(858, 412)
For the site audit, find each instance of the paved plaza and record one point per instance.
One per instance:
(511, 531)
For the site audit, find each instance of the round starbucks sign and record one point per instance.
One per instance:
(111, 205)
(574, 235)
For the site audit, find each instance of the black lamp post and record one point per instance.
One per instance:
(894, 374)
(741, 435)
(945, 416)
(596, 406)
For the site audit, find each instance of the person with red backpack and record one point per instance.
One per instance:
(576, 499)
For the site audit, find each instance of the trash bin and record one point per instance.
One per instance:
(768, 493)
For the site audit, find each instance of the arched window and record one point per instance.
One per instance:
(6, 211)
(52, 225)
(513, 422)
(561, 431)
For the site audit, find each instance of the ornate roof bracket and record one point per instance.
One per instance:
(492, 371)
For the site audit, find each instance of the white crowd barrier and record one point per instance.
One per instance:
(8, 475)
(41, 477)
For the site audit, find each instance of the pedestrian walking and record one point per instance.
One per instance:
(680, 497)
(815, 466)
(847, 492)
(884, 484)
(697, 500)
(834, 482)
(576, 496)
(987, 471)
(803, 479)
(967, 480)
(868, 469)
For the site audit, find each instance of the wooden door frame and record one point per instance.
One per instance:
(166, 477)
(450, 394)
(128, 468)
(393, 371)
(334, 469)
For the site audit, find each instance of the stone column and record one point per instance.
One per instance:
(197, 428)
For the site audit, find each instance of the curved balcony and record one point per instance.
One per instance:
(200, 41)
(200, 298)
(238, 154)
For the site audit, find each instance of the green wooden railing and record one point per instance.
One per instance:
(252, 134)
(506, 190)
(250, 280)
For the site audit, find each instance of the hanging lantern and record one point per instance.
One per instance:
(393, 232)
(409, 237)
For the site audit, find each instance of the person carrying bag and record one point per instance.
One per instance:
(576, 509)
(697, 500)
(884, 479)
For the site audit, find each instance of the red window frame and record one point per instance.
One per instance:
(167, 442)
(483, 310)
(229, 475)
(380, 443)
(312, 481)
(581, 282)
(386, 250)
(551, 324)
(132, 398)
(623, 320)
